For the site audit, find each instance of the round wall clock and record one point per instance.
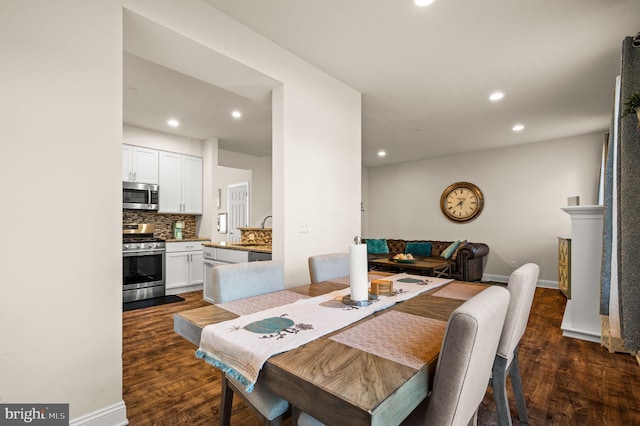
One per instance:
(462, 202)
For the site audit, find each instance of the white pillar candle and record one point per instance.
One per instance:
(358, 272)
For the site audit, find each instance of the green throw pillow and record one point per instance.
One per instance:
(418, 249)
(450, 250)
(377, 246)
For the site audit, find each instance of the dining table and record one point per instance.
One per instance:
(374, 371)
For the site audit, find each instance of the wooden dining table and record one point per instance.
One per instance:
(340, 383)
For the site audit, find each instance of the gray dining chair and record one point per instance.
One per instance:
(325, 267)
(522, 287)
(237, 281)
(240, 280)
(464, 366)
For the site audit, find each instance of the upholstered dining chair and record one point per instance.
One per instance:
(240, 280)
(325, 267)
(521, 286)
(464, 366)
(236, 281)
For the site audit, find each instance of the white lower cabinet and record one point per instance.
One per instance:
(184, 264)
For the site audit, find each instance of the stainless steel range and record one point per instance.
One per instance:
(143, 263)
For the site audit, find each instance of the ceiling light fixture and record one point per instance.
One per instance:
(173, 123)
(236, 114)
(422, 3)
(382, 153)
(518, 127)
(496, 96)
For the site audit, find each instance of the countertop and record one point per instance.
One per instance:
(259, 248)
(186, 240)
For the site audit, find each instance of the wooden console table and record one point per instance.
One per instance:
(430, 267)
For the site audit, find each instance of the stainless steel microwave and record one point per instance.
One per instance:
(139, 196)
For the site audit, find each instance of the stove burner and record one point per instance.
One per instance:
(141, 238)
(137, 238)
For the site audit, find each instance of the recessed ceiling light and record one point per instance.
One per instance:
(496, 96)
(517, 127)
(382, 153)
(173, 123)
(422, 3)
(236, 114)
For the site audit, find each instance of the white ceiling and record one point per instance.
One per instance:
(425, 73)
(202, 109)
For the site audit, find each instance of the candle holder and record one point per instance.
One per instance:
(358, 303)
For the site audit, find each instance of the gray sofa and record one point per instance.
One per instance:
(466, 265)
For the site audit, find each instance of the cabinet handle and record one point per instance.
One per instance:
(134, 176)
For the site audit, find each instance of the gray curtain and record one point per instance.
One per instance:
(621, 250)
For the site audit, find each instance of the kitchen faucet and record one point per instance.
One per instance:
(265, 220)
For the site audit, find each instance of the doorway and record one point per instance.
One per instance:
(238, 209)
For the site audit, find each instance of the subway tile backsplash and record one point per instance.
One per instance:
(163, 222)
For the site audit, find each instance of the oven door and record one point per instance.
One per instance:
(143, 274)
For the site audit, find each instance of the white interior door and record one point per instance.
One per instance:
(238, 209)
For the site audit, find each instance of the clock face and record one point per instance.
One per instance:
(462, 202)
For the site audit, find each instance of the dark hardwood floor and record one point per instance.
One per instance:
(566, 381)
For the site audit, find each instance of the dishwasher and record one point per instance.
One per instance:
(210, 262)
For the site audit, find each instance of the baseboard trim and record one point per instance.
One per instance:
(113, 415)
(185, 289)
(569, 330)
(505, 279)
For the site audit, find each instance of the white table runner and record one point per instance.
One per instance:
(241, 353)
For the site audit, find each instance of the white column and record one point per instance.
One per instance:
(582, 315)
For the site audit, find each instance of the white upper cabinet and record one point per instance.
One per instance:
(192, 184)
(180, 183)
(139, 164)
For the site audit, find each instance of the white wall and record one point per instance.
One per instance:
(316, 127)
(207, 225)
(139, 136)
(524, 188)
(61, 309)
(261, 182)
(365, 202)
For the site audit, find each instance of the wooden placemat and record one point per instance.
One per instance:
(407, 339)
(459, 291)
(253, 304)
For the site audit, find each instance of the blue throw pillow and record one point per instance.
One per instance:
(450, 250)
(418, 249)
(377, 246)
